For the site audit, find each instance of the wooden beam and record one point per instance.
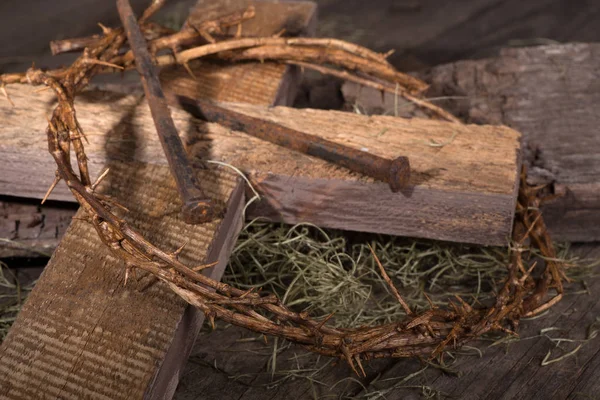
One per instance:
(463, 186)
(550, 94)
(83, 333)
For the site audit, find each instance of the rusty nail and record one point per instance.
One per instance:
(197, 208)
(395, 172)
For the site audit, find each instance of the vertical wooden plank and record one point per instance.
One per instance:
(83, 333)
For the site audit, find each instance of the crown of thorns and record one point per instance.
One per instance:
(418, 334)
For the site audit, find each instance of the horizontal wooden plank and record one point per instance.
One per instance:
(462, 189)
(550, 94)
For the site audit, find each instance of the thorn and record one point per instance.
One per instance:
(280, 33)
(127, 268)
(130, 268)
(238, 32)
(465, 305)
(389, 53)
(80, 132)
(207, 36)
(52, 186)
(189, 71)
(104, 28)
(322, 323)
(211, 320)
(76, 137)
(177, 252)
(430, 330)
(357, 358)
(527, 274)
(265, 339)
(431, 305)
(99, 179)
(104, 63)
(50, 124)
(348, 358)
(204, 266)
(6, 95)
(107, 200)
(115, 203)
(246, 293)
(387, 279)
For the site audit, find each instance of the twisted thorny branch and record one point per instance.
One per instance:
(350, 61)
(419, 334)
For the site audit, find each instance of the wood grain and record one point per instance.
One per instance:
(254, 82)
(462, 189)
(82, 333)
(550, 94)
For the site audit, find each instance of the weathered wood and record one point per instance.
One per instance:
(462, 189)
(255, 83)
(28, 229)
(550, 94)
(82, 333)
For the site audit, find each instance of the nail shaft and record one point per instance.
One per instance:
(197, 208)
(395, 172)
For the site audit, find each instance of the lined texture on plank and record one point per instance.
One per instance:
(267, 83)
(550, 94)
(464, 176)
(82, 332)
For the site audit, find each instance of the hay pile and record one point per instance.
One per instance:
(326, 271)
